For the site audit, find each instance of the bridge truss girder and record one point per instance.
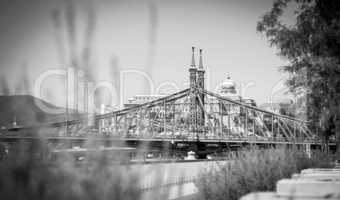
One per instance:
(170, 118)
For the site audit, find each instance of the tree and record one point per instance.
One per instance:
(312, 47)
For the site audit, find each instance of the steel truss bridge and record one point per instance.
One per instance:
(191, 115)
(210, 118)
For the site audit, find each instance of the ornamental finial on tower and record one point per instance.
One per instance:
(200, 65)
(193, 58)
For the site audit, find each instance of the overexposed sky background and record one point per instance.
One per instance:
(137, 34)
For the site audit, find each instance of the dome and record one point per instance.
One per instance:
(228, 87)
(228, 83)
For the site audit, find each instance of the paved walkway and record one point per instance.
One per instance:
(169, 181)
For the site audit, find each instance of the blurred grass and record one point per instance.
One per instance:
(30, 172)
(255, 170)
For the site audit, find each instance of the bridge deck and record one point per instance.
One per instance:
(170, 140)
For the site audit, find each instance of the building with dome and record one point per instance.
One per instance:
(229, 117)
(228, 89)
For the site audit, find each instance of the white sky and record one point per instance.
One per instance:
(225, 30)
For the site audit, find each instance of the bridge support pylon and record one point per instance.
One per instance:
(193, 103)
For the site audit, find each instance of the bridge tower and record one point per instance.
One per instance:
(200, 103)
(193, 100)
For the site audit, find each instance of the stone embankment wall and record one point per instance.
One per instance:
(310, 184)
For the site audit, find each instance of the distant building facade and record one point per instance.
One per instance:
(142, 98)
(227, 89)
(188, 113)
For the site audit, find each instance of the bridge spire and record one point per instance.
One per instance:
(200, 65)
(193, 57)
(193, 99)
(200, 100)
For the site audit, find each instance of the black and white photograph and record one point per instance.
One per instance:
(170, 100)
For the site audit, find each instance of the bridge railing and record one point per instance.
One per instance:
(166, 136)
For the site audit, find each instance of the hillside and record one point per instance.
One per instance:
(26, 111)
